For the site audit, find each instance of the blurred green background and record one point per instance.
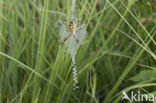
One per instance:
(118, 54)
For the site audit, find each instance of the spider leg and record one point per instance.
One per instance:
(79, 28)
(78, 22)
(62, 41)
(78, 41)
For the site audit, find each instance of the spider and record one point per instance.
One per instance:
(72, 28)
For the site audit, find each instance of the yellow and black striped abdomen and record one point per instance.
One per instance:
(71, 27)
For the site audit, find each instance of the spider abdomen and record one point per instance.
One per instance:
(71, 27)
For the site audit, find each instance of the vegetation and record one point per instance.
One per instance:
(118, 54)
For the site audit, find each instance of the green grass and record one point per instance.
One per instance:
(118, 54)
